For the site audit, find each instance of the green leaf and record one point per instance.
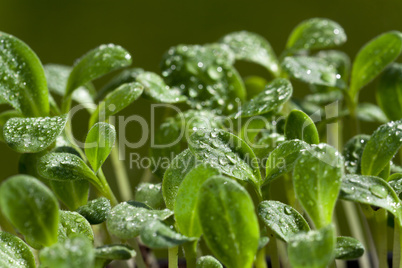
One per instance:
(395, 181)
(96, 211)
(128, 218)
(157, 235)
(205, 75)
(352, 152)
(324, 97)
(254, 85)
(72, 193)
(157, 90)
(369, 112)
(76, 252)
(282, 219)
(175, 174)
(99, 143)
(274, 95)
(4, 117)
(311, 70)
(57, 76)
(23, 81)
(115, 252)
(316, 33)
(228, 221)
(381, 148)
(31, 207)
(31, 135)
(14, 253)
(300, 126)
(262, 242)
(314, 249)
(96, 63)
(185, 208)
(208, 262)
(389, 91)
(372, 191)
(317, 178)
(64, 167)
(348, 248)
(338, 59)
(72, 224)
(150, 194)
(373, 58)
(226, 152)
(252, 47)
(282, 159)
(116, 101)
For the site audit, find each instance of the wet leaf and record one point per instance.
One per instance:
(14, 252)
(157, 235)
(72, 224)
(116, 101)
(389, 91)
(226, 152)
(311, 70)
(352, 152)
(373, 58)
(73, 252)
(274, 95)
(282, 159)
(348, 248)
(185, 209)
(115, 252)
(372, 191)
(128, 218)
(300, 126)
(316, 33)
(96, 211)
(314, 249)
(324, 97)
(4, 117)
(228, 221)
(157, 90)
(31, 135)
(338, 59)
(72, 193)
(317, 178)
(208, 262)
(150, 194)
(23, 81)
(370, 113)
(175, 174)
(282, 219)
(96, 63)
(31, 207)
(381, 148)
(252, 47)
(99, 143)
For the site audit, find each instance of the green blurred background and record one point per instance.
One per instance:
(60, 31)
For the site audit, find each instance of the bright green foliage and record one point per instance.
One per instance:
(150, 194)
(32, 135)
(185, 209)
(369, 112)
(352, 152)
(254, 85)
(72, 193)
(228, 222)
(300, 126)
(99, 144)
(208, 262)
(128, 218)
(389, 91)
(317, 178)
(72, 224)
(23, 81)
(155, 234)
(348, 248)
(107, 253)
(76, 252)
(316, 33)
(373, 58)
(96, 211)
(14, 253)
(381, 148)
(282, 219)
(274, 95)
(314, 249)
(31, 207)
(4, 117)
(252, 47)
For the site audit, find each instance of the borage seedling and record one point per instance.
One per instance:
(253, 174)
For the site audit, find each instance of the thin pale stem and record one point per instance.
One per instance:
(378, 227)
(272, 249)
(190, 252)
(260, 261)
(173, 255)
(120, 171)
(105, 188)
(139, 260)
(396, 253)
